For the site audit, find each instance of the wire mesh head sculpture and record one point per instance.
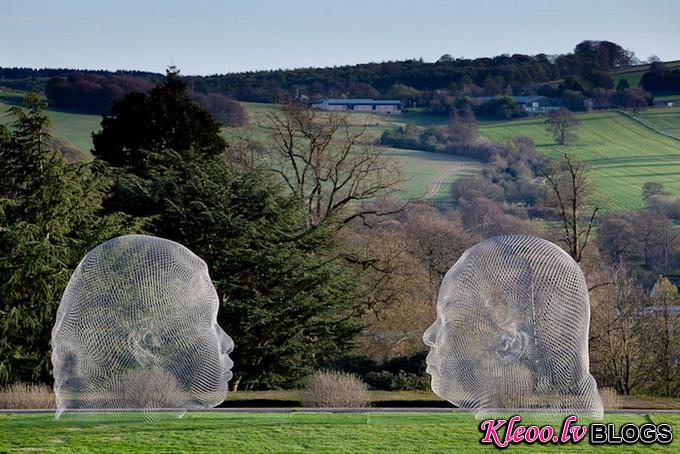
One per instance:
(137, 329)
(512, 331)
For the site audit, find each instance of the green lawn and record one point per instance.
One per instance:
(623, 153)
(275, 432)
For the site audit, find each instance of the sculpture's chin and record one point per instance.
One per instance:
(434, 384)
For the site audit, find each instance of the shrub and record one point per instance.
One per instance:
(610, 399)
(26, 396)
(397, 381)
(397, 374)
(334, 389)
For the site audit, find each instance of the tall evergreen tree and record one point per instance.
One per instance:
(146, 131)
(49, 216)
(164, 119)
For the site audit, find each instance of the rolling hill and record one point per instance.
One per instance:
(426, 174)
(623, 153)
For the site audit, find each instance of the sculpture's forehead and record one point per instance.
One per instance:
(139, 274)
(132, 253)
(511, 270)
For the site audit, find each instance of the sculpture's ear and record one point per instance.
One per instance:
(64, 359)
(512, 343)
(144, 344)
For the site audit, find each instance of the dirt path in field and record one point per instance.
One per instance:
(441, 178)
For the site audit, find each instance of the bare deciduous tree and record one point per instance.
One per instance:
(561, 124)
(571, 192)
(665, 343)
(618, 335)
(397, 287)
(462, 128)
(328, 163)
(437, 242)
(635, 99)
(645, 237)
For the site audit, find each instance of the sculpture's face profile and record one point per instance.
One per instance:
(137, 328)
(512, 330)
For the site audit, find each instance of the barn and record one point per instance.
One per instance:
(380, 106)
(530, 104)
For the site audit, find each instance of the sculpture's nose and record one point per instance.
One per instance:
(226, 342)
(430, 335)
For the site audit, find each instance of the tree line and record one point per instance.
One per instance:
(660, 78)
(97, 93)
(436, 86)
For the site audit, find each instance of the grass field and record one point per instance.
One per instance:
(666, 120)
(429, 174)
(277, 432)
(75, 128)
(623, 153)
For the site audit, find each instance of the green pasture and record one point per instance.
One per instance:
(73, 127)
(289, 432)
(623, 153)
(664, 119)
(430, 175)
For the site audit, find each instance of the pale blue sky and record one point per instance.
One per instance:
(211, 36)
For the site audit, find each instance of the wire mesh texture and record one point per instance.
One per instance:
(136, 329)
(511, 333)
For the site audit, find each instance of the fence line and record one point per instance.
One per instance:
(648, 125)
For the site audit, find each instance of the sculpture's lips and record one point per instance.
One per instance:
(431, 368)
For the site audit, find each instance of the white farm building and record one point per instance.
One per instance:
(381, 106)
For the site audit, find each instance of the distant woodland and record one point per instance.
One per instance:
(585, 73)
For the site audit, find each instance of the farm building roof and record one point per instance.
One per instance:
(518, 99)
(355, 102)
